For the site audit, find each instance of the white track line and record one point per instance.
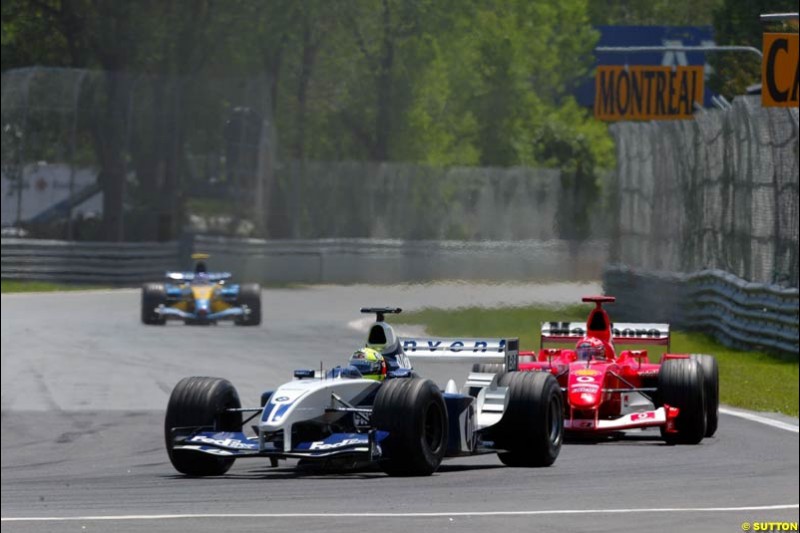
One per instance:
(760, 419)
(403, 515)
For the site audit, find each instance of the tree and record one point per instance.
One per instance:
(652, 12)
(445, 82)
(737, 22)
(126, 41)
(85, 30)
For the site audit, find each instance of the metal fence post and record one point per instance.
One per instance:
(73, 148)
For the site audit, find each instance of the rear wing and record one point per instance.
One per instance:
(621, 333)
(460, 350)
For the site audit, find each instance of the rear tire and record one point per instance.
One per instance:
(250, 295)
(200, 401)
(711, 386)
(681, 385)
(153, 295)
(532, 428)
(413, 411)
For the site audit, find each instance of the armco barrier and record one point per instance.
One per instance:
(87, 262)
(738, 313)
(306, 261)
(398, 261)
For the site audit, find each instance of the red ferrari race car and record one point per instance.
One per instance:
(606, 391)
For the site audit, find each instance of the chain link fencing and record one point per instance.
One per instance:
(407, 201)
(383, 261)
(716, 192)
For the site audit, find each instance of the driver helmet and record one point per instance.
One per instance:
(590, 348)
(370, 363)
(202, 278)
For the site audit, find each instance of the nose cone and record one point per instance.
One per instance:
(201, 307)
(584, 387)
(583, 397)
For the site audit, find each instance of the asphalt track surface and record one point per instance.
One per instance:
(84, 387)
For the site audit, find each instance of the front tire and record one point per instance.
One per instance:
(153, 295)
(711, 386)
(532, 428)
(681, 385)
(201, 401)
(413, 412)
(250, 295)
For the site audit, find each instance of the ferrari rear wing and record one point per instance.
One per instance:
(621, 332)
(464, 350)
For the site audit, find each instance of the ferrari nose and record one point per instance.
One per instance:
(583, 399)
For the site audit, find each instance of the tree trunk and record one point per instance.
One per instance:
(383, 117)
(110, 145)
(310, 49)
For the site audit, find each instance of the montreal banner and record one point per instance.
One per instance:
(647, 92)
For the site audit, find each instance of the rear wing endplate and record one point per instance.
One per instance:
(621, 332)
(471, 350)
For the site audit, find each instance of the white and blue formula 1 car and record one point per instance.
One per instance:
(404, 423)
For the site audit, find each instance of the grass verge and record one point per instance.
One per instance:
(748, 379)
(10, 286)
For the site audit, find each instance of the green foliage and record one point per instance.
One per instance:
(442, 135)
(521, 322)
(28, 38)
(736, 22)
(749, 379)
(653, 12)
(8, 286)
(440, 82)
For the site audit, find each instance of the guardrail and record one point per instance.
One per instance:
(738, 313)
(87, 262)
(400, 261)
(306, 261)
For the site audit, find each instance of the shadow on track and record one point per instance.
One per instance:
(261, 473)
(617, 439)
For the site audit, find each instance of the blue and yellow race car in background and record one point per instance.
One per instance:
(201, 297)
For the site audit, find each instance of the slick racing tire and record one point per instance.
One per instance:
(681, 385)
(711, 386)
(153, 295)
(413, 412)
(195, 402)
(532, 428)
(250, 295)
